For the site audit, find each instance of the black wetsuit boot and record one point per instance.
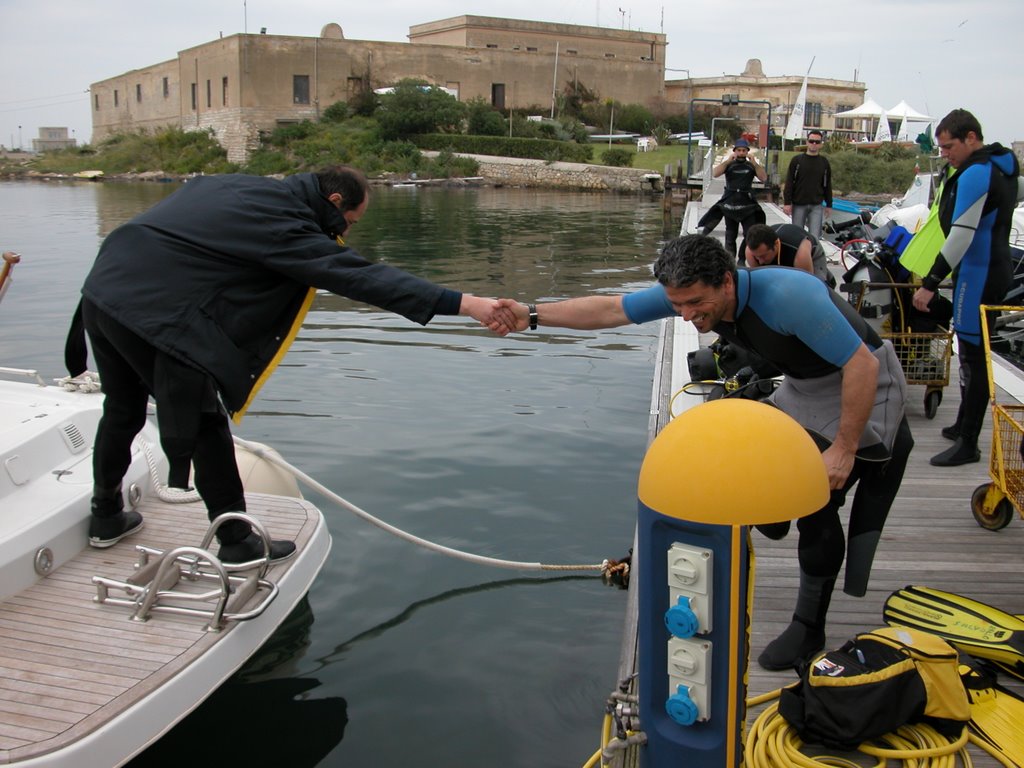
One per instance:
(806, 633)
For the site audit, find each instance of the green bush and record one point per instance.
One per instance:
(888, 170)
(336, 113)
(171, 150)
(620, 158)
(446, 166)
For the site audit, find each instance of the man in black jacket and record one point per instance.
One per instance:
(195, 302)
(808, 185)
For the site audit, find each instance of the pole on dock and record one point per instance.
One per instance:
(696, 569)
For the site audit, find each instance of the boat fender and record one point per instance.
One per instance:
(260, 475)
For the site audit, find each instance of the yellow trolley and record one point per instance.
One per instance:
(993, 503)
(924, 357)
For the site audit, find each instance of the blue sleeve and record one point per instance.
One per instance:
(646, 305)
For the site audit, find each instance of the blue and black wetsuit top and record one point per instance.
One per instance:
(785, 315)
(976, 213)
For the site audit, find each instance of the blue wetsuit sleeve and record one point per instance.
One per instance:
(646, 305)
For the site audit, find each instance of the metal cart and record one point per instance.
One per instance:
(993, 503)
(924, 357)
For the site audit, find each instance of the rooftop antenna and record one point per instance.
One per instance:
(245, 17)
(622, 15)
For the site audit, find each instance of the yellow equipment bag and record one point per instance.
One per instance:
(874, 684)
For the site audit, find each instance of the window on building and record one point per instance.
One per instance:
(115, 97)
(224, 91)
(812, 114)
(498, 95)
(531, 48)
(195, 96)
(138, 92)
(571, 51)
(167, 88)
(609, 55)
(209, 95)
(844, 123)
(300, 89)
(96, 99)
(492, 45)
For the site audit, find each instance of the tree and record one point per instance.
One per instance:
(414, 106)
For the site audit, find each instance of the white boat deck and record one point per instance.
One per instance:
(69, 666)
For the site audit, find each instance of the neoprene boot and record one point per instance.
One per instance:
(963, 451)
(109, 522)
(806, 633)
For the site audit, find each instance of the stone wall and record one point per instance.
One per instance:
(524, 172)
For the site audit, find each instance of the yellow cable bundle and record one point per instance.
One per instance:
(773, 743)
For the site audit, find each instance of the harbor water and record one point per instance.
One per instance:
(524, 448)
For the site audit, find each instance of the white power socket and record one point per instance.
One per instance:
(689, 665)
(689, 576)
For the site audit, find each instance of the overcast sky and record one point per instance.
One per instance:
(935, 54)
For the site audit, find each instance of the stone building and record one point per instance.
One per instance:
(241, 85)
(825, 97)
(52, 139)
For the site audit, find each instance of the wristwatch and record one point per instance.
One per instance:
(532, 308)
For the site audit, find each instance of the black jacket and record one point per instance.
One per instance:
(220, 273)
(808, 181)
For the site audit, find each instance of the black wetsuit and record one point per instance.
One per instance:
(737, 205)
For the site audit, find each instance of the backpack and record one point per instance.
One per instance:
(873, 685)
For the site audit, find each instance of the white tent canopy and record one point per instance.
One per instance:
(869, 108)
(906, 112)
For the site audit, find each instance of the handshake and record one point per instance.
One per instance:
(500, 316)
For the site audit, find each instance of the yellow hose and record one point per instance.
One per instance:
(772, 743)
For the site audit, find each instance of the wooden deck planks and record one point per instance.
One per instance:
(69, 664)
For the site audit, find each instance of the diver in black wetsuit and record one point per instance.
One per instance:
(737, 205)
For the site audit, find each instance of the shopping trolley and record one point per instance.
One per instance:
(993, 503)
(924, 356)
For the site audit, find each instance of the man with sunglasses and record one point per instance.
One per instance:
(808, 185)
(195, 301)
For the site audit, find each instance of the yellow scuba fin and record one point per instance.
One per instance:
(972, 627)
(996, 714)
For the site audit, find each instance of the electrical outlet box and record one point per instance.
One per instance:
(690, 577)
(689, 665)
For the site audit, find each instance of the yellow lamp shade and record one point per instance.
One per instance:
(733, 462)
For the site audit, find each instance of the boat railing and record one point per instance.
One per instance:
(29, 373)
